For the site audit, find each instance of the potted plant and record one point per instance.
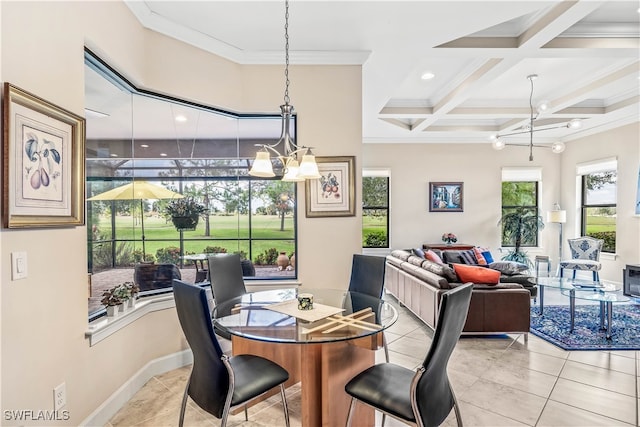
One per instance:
(133, 290)
(185, 212)
(518, 225)
(111, 301)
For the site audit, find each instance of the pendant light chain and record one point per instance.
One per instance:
(531, 79)
(286, 52)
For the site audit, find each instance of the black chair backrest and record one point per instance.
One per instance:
(209, 381)
(367, 275)
(433, 392)
(225, 274)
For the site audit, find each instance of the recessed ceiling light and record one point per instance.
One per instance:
(113, 155)
(144, 145)
(181, 118)
(427, 75)
(163, 154)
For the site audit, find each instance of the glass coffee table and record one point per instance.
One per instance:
(605, 296)
(568, 284)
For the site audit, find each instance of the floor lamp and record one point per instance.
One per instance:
(559, 217)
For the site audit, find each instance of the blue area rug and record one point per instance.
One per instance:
(553, 326)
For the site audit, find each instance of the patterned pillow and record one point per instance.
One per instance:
(418, 252)
(469, 257)
(479, 257)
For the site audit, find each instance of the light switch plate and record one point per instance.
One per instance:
(18, 265)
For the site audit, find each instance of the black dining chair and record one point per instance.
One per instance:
(227, 282)
(367, 277)
(217, 382)
(423, 397)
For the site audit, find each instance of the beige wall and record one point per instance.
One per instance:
(44, 317)
(413, 166)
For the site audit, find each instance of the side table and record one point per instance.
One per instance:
(445, 247)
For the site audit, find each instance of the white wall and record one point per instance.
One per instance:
(44, 317)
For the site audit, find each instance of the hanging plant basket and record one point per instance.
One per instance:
(183, 223)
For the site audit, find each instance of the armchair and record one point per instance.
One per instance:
(585, 255)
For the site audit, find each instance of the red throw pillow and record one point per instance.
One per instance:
(433, 257)
(475, 274)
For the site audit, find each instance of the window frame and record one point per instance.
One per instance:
(385, 175)
(535, 208)
(585, 206)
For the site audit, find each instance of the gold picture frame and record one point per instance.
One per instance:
(333, 194)
(42, 162)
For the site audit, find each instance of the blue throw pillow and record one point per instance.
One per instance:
(488, 257)
(418, 252)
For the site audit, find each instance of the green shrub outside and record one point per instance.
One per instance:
(268, 257)
(375, 239)
(168, 255)
(609, 238)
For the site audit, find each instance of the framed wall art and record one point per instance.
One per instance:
(42, 162)
(333, 194)
(445, 196)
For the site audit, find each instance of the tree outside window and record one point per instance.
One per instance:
(520, 197)
(599, 202)
(375, 212)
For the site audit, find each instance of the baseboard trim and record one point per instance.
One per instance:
(104, 412)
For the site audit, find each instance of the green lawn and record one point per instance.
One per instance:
(600, 223)
(160, 233)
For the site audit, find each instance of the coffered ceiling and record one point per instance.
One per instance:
(586, 55)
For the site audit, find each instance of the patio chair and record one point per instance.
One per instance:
(585, 256)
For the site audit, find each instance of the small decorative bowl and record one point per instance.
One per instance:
(305, 301)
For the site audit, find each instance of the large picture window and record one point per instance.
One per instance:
(179, 149)
(520, 211)
(599, 202)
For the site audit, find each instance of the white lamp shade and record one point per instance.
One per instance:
(557, 216)
(498, 144)
(292, 172)
(262, 166)
(558, 147)
(308, 167)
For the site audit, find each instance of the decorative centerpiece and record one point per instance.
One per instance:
(305, 301)
(449, 238)
(185, 212)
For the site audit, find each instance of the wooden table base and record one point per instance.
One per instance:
(323, 370)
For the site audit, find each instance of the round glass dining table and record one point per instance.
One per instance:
(322, 348)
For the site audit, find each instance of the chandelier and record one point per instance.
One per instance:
(292, 170)
(557, 147)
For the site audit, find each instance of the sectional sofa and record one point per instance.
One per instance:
(419, 283)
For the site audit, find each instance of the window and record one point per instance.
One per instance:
(520, 215)
(189, 149)
(599, 198)
(375, 209)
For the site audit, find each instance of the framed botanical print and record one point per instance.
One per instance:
(333, 194)
(42, 162)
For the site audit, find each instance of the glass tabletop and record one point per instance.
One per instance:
(596, 295)
(569, 284)
(358, 315)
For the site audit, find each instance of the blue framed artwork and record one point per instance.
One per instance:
(445, 197)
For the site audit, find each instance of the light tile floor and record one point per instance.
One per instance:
(499, 381)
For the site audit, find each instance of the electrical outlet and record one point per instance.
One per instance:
(59, 397)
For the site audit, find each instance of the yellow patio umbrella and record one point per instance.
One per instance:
(138, 190)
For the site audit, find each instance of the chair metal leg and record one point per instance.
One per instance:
(284, 405)
(386, 350)
(456, 408)
(352, 409)
(183, 406)
(246, 413)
